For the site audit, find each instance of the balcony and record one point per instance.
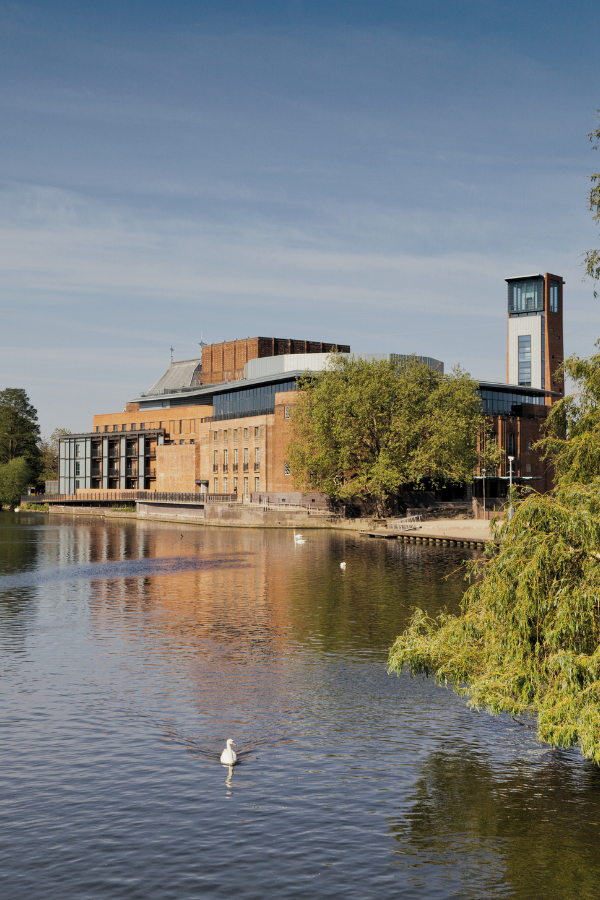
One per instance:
(234, 467)
(225, 467)
(246, 467)
(257, 467)
(113, 451)
(216, 467)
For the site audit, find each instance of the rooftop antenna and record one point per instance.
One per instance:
(171, 352)
(202, 343)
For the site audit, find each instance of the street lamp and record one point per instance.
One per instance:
(511, 511)
(483, 473)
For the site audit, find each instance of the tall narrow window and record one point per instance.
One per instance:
(286, 468)
(257, 431)
(225, 485)
(510, 443)
(286, 412)
(256, 457)
(216, 485)
(246, 487)
(257, 484)
(554, 296)
(525, 360)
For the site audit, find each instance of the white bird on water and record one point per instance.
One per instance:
(298, 539)
(229, 756)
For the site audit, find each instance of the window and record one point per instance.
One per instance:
(216, 486)
(106, 428)
(257, 456)
(246, 457)
(528, 467)
(215, 435)
(115, 427)
(180, 426)
(525, 296)
(510, 443)
(235, 456)
(235, 431)
(77, 449)
(246, 486)
(286, 468)
(286, 412)
(192, 441)
(225, 485)
(133, 426)
(257, 484)
(143, 427)
(182, 442)
(123, 427)
(225, 435)
(76, 485)
(235, 482)
(225, 456)
(525, 360)
(78, 468)
(554, 296)
(97, 429)
(245, 434)
(257, 431)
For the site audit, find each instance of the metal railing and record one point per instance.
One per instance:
(114, 495)
(406, 524)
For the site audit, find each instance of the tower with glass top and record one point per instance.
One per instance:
(535, 332)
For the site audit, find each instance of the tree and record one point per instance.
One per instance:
(15, 477)
(364, 429)
(592, 257)
(527, 641)
(19, 430)
(49, 449)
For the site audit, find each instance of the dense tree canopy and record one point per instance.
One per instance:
(19, 430)
(15, 477)
(367, 428)
(49, 449)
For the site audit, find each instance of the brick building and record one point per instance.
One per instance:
(221, 424)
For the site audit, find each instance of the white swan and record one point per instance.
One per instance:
(229, 756)
(342, 565)
(298, 539)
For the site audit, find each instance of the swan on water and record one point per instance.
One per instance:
(342, 565)
(229, 756)
(298, 539)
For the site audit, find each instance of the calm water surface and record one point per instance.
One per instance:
(131, 651)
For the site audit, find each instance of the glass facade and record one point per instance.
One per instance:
(250, 402)
(554, 296)
(526, 296)
(525, 360)
(506, 403)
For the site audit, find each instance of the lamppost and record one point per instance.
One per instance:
(483, 473)
(511, 511)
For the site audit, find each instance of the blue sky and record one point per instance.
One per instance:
(361, 172)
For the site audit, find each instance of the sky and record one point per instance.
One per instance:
(366, 173)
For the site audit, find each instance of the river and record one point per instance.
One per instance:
(130, 651)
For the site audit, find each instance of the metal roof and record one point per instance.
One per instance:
(179, 375)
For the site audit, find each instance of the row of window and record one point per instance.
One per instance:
(174, 427)
(236, 432)
(501, 403)
(232, 485)
(236, 456)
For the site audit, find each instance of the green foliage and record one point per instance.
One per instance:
(19, 430)
(527, 641)
(15, 478)
(49, 453)
(364, 429)
(592, 257)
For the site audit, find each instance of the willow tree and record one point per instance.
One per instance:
(592, 257)
(527, 641)
(364, 429)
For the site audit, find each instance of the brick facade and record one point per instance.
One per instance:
(226, 361)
